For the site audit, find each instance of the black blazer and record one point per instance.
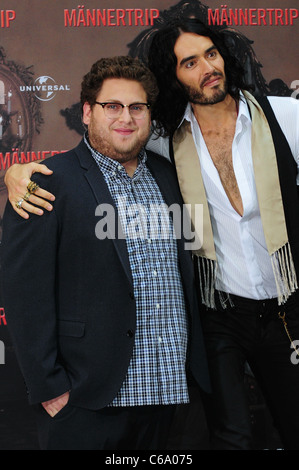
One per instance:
(68, 296)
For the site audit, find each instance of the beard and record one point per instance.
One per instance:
(122, 152)
(198, 95)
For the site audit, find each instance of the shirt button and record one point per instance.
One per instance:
(160, 339)
(157, 305)
(154, 272)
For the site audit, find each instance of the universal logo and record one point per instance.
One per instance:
(45, 88)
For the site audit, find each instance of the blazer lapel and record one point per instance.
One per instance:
(102, 195)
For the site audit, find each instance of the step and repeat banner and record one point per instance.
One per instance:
(46, 46)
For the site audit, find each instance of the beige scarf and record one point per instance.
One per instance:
(269, 197)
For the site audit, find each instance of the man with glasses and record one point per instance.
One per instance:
(106, 326)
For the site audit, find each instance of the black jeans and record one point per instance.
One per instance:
(252, 331)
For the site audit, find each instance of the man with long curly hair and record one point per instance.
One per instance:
(238, 156)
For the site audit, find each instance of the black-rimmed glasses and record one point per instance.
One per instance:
(114, 110)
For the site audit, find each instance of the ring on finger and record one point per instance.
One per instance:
(32, 187)
(27, 196)
(19, 203)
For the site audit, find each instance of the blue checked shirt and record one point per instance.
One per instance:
(157, 371)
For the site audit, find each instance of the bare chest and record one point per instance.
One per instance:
(219, 144)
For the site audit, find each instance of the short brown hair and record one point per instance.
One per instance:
(117, 67)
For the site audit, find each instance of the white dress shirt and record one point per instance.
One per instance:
(244, 266)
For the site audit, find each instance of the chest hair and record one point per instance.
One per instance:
(219, 144)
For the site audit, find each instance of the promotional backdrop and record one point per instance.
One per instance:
(46, 46)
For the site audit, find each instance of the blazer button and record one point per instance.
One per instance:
(131, 295)
(130, 333)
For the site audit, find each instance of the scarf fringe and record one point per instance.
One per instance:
(284, 273)
(283, 269)
(207, 272)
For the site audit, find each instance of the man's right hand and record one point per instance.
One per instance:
(17, 178)
(53, 406)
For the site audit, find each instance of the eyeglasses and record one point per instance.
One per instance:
(114, 110)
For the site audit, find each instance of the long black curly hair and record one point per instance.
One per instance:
(172, 99)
